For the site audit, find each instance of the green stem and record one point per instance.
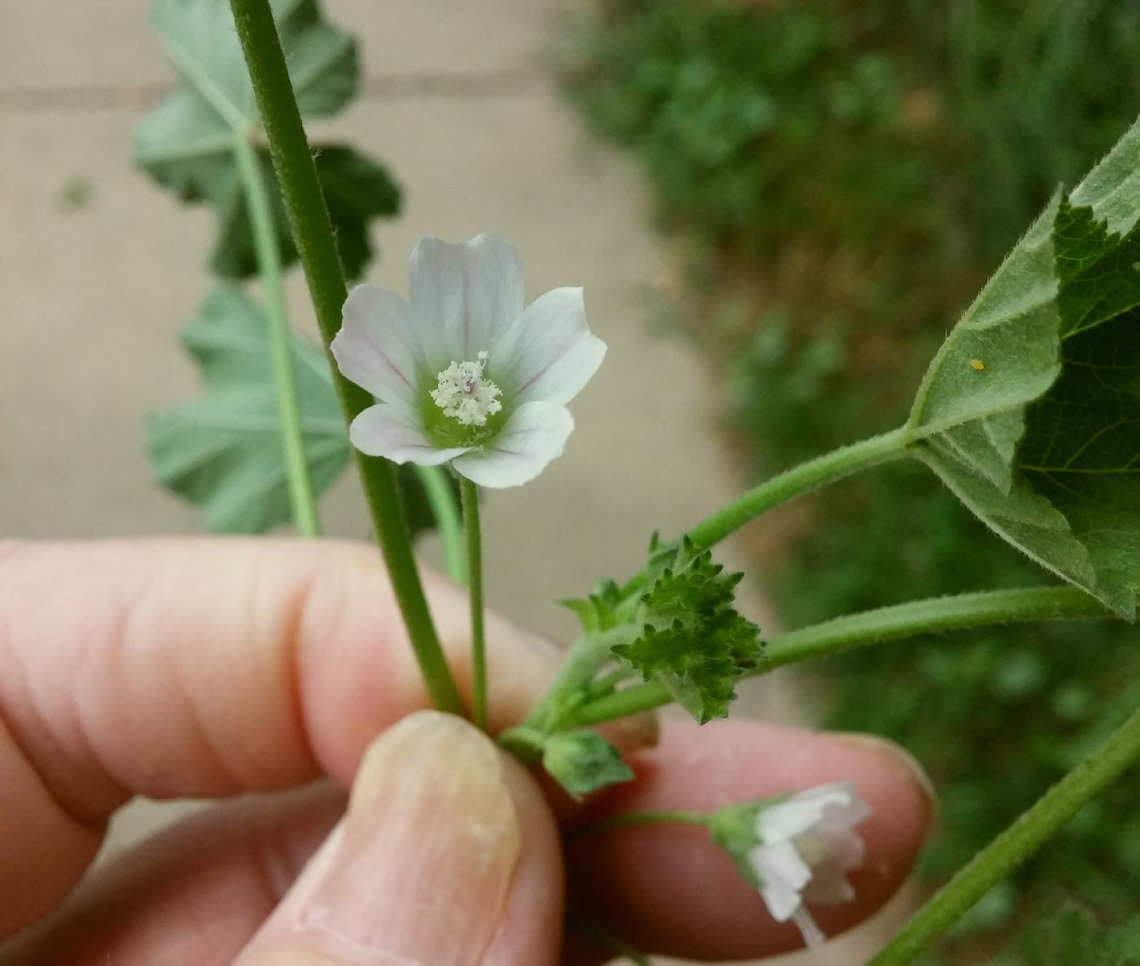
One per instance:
(447, 521)
(798, 480)
(312, 231)
(469, 494)
(930, 616)
(631, 819)
(873, 627)
(280, 339)
(1016, 844)
(588, 655)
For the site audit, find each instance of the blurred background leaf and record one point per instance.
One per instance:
(222, 450)
(186, 143)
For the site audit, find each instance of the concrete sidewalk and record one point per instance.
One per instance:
(456, 101)
(457, 104)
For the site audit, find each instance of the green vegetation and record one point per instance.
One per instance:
(839, 178)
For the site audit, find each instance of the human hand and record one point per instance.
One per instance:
(255, 668)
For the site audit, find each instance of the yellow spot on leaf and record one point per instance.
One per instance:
(977, 365)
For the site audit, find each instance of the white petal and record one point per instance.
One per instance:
(782, 873)
(843, 852)
(837, 802)
(549, 352)
(829, 890)
(534, 435)
(375, 347)
(464, 295)
(811, 932)
(393, 432)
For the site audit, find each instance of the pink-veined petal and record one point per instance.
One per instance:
(464, 295)
(534, 435)
(375, 347)
(392, 432)
(549, 353)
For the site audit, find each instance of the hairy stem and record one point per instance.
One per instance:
(1016, 844)
(874, 627)
(288, 407)
(470, 497)
(587, 656)
(799, 480)
(448, 524)
(312, 231)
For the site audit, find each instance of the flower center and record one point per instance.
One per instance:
(464, 395)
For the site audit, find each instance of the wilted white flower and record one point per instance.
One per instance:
(467, 373)
(804, 849)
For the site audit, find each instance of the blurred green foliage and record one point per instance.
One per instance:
(839, 177)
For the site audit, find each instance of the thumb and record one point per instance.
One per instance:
(447, 856)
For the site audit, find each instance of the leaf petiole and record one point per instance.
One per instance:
(448, 524)
(799, 480)
(269, 262)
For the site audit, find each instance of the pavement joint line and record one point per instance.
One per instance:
(457, 85)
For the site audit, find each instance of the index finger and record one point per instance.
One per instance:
(201, 667)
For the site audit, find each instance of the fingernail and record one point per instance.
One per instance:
(902, 758)
(419, 871)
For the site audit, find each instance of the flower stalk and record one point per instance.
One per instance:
(316, 245)
(469, 493)
(269, 264)
(1016, 844)
(448, 523)
(634, 819)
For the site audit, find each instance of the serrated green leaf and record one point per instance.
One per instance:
(222, 451)
(1030, 412)
(583, 762)
(187, 142)
(692, 640)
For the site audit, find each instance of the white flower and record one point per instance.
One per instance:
(805, 849)
(467, 373)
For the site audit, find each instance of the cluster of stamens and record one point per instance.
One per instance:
(464, 395)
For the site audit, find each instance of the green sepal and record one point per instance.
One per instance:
(734, 830)
(583, 762)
